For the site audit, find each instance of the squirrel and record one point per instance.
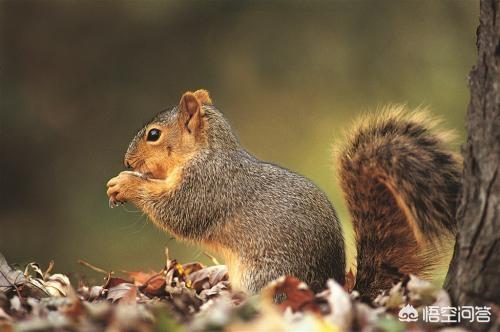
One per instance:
(190, 175)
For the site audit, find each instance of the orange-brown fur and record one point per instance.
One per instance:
(162, 161)
(203, 96)
(400, 182)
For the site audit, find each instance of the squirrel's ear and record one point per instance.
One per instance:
(190, 112)
(203, 96)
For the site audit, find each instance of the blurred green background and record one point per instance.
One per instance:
(77, 78)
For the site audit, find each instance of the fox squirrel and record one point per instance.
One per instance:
(192, 177)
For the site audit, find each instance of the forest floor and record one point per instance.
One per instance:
(194, 297)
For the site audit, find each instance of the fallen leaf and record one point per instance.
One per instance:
(154, 286)
(140, 278)
(33, 267)
(192, 267)
(34, 287)
(341, 314)
(208, 277)
(297, 294)
(9, 278)
(421, 292)
(114, 281)
(350, 281)
(118, 292)
(57, 285)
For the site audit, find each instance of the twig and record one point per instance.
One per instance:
(167, 257)
(212, 258)
(93, 267)
(48, 270)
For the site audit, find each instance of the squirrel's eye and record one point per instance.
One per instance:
(153, 135)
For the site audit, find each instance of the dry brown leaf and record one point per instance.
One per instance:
(208, 277)
(120, 291)
(350, 281)
(9, 278)
(297, 295)
(192, 267)
(114, 281)
(57, 285)
(154, 286)
(140, 278)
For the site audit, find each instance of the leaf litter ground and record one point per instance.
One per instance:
(194, 297)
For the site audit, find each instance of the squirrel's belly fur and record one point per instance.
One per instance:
(399, 179)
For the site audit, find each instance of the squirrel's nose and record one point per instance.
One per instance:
(127, 164)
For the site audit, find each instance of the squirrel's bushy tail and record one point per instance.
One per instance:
(401, 184)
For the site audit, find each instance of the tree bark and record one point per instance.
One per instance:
(474, 275)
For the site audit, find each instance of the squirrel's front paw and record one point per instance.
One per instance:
(123, 187)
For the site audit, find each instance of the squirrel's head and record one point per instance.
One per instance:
(172, 138)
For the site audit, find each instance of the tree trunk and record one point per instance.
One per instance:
(474, 275)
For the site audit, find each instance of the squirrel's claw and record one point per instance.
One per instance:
(120, 188)
(113, 202)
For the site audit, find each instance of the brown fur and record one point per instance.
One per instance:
(401, 184)
(203, 96)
